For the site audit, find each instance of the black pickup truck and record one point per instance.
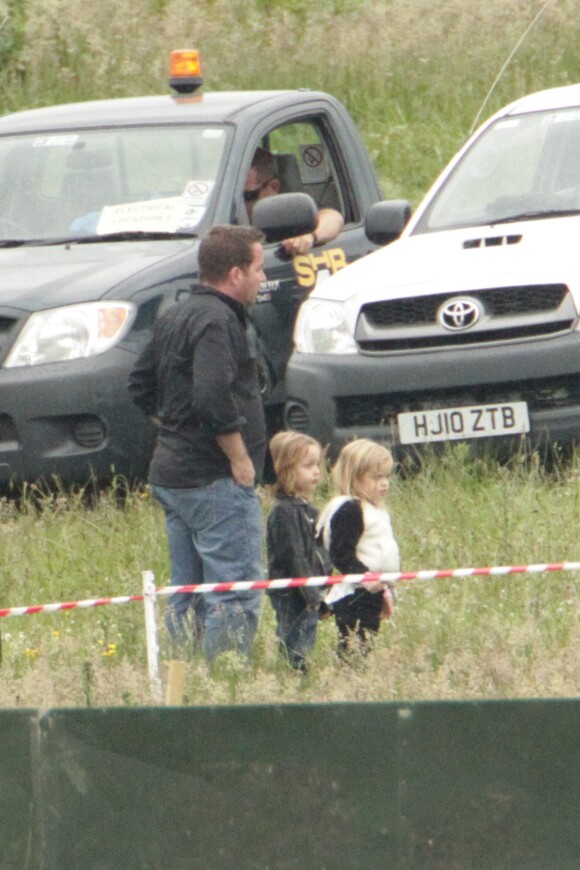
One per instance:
(103, 206)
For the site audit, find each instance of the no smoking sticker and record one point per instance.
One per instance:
(197, 192)
(197, 188)
(314, 167)
(313, 156)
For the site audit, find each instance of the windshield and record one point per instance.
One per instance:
(93, 183)
(521, 167)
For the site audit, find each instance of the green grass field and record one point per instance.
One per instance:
(492, 637)
(416, 75)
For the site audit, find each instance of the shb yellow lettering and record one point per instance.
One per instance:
(307, 265)
(305, 274)
(336, 259)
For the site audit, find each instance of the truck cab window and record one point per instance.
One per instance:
(304, 163)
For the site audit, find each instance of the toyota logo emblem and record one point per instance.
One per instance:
(459, 314)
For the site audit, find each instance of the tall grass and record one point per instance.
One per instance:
(493, 637)
(414, 73)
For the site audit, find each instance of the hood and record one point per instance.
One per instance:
(465, 260)
(34, 278)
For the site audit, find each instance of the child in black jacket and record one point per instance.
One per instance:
(292, 547)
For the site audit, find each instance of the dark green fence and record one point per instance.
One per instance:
(355, 786)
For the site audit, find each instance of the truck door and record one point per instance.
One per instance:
(306, 159)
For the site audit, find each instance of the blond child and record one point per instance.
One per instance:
(292, 547)
(355, 528)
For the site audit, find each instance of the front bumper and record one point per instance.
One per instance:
(71, 422)
(337, 398)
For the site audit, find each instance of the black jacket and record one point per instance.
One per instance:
(198, 376)
(292, 547)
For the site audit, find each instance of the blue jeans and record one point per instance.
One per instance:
(215, 535)
(295, 626)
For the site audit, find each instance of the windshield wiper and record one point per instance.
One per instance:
(125, 236)
(138, 235)
(33, 243)
(39, 243)
(535, 215)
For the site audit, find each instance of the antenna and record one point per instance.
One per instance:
(507, 63)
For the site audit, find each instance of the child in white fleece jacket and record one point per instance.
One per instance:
(356, 530)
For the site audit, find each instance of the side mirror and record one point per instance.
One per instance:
(385, 221)
(285, 215)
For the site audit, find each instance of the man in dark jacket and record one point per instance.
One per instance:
(198, 377)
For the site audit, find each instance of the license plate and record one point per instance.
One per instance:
(473, 421)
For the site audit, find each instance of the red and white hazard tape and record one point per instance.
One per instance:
(297, 582)
(371, 577)
(67, 605)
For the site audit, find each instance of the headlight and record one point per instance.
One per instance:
(71, 332)
(321, 328)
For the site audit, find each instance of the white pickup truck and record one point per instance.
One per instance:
(467, 326)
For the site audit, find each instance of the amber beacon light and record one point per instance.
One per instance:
(185, 74)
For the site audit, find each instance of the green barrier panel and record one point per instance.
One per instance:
(422, 785)
(490, 785)
(244, 787)
(17, 823)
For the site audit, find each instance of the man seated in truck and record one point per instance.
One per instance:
(263, 180)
